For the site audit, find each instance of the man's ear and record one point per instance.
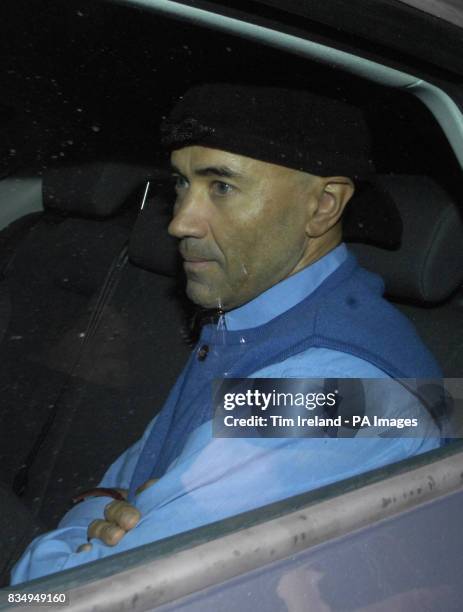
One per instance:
(331, 199)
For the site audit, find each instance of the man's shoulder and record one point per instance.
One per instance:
(354, 317)
(320, 362)
(353, 297)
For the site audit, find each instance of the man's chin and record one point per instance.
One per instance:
(202, 296)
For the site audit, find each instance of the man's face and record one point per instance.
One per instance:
(241, 224)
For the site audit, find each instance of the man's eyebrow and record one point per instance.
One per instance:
(175, 170)
(222, 171)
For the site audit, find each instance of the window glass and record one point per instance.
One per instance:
(95, 324)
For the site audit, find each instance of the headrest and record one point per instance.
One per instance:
(150, 245)
(94, 189)
(372, 217)
(428, 265)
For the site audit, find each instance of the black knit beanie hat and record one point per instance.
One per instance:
(292, 128)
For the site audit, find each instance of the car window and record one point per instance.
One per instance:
(260, 538)
(95, 327)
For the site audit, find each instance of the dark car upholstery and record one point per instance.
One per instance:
(53, 265)
(424, 276)
(124, 373)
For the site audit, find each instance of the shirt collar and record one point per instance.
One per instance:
(285, 294)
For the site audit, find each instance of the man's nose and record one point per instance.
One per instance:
(189, 218)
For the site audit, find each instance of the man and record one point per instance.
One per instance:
(262, 177)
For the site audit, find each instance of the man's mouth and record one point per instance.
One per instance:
(195, 263)
(190, 259)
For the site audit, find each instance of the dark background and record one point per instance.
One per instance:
(85, 80)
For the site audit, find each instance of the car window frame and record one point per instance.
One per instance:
(426, 466)
(206, 554)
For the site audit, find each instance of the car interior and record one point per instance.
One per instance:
(94, 324)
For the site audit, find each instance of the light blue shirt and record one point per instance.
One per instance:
(214, 478)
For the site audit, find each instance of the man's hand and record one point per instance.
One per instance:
(119, 518)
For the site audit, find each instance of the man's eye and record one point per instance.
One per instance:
(180, 182)
(221, 188)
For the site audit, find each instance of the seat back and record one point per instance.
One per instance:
(50, 282)
(124, 373)
(424, 275)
